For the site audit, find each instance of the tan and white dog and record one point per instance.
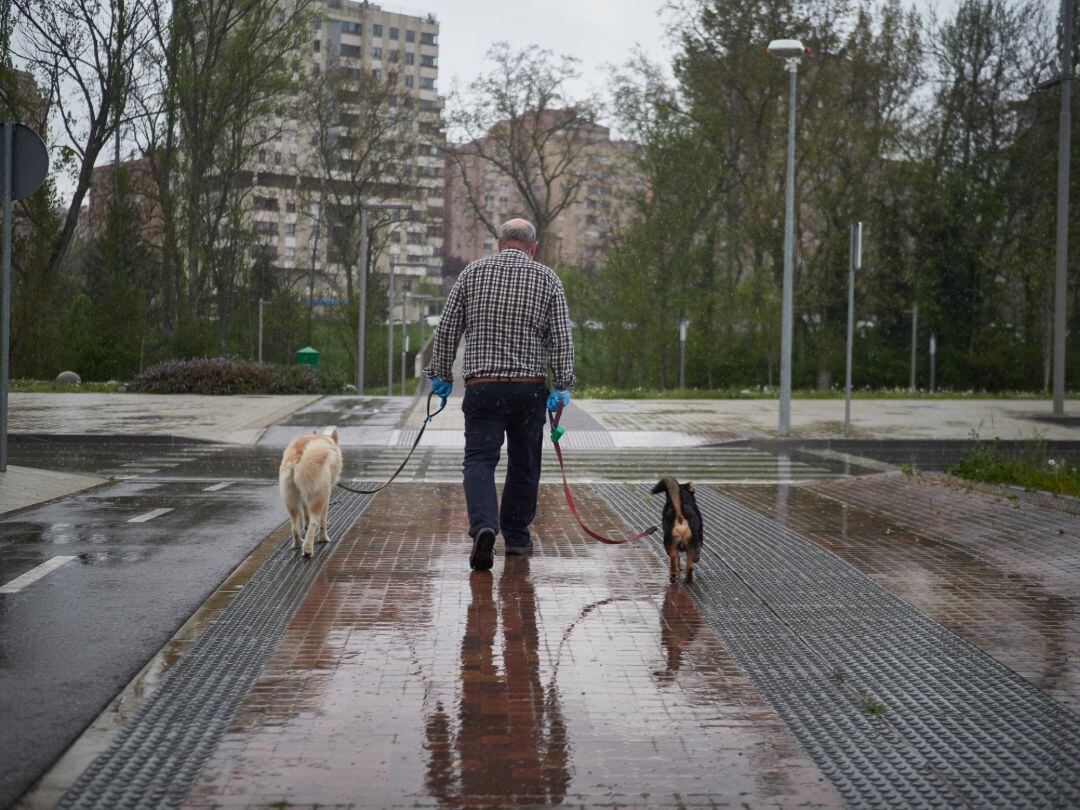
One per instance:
(309, 470)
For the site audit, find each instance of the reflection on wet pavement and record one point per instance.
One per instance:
(578, 676)
(1001, 572)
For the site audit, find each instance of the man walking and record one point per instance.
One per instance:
(512, 311)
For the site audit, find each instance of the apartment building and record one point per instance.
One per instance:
(305, 170)
(579, 236)
(142, 192)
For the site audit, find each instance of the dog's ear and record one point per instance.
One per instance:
(334, 436)
(660, 487)
(688, 487)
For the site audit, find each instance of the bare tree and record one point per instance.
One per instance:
(84, 52)
(519, 119)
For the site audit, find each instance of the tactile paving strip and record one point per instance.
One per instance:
(817, 638)
(156, 758)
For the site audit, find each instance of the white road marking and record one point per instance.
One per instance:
(217, 487)
(149, 515)
(34, 574)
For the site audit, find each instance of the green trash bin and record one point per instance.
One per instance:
(307, 356)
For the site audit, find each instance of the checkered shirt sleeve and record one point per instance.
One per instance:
(513, 314)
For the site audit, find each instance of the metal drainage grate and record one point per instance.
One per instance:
(818, 639)
(157, 757)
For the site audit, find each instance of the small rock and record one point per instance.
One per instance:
(68, 378)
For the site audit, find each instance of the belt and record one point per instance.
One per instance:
(477, 380)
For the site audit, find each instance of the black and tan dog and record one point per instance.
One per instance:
(683, 530)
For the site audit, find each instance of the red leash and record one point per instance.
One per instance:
(556, 434)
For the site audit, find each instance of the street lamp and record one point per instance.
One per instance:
(362, 297)
(262, 301)
(1062, 249)
(791, 51)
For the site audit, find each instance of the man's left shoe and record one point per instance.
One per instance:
(525, 550)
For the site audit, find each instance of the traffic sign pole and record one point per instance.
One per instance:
(5, 289)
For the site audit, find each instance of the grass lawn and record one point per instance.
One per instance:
(1034, 470)
(601, 392)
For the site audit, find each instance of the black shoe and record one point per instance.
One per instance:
(482, 557)
(519, 551)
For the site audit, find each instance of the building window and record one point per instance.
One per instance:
(408, 81)
(427, 83)
(290, 206)
(410, 36)
(290, 228)
(316, 46)
(427, 61)
(391, 56)
(262, 156)
(376, 30)
(410, 58)
(377, 73)
(352, 51)
(277, 158)
(290, 255)
(427, 39)
(348, 27)
(393, 32)
(376, 53)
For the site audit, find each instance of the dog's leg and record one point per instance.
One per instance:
(324, 536)
(315, 511)
(673, 555)
(296, 526)
(690, 560)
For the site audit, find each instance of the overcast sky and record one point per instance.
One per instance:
(599, 32)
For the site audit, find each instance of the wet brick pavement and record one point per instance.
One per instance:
(579, 677)
(1000, 569)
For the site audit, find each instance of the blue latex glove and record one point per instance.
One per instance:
(441, 387)
(556, 396)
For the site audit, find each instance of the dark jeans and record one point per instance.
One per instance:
(516, 410)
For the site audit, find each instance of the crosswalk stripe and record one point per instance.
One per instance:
(34, 574)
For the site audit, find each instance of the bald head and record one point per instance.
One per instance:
(519, 234)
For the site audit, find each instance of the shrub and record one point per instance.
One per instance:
(224, 375)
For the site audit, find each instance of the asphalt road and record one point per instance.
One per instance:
(127, 575)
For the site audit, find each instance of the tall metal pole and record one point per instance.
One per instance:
(854, 262)
(1060, 277)
(5, 287)
(789, 238)
(261, 302)
(390, 333)
(933, 362)
(682, 352)
(362, 302)
(914, 342)
(404, 338)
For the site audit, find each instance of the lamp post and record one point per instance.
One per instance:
(262, 301)
(854, 263)
(791, 51)
(1062, 259)
(404, 338)
(362, 284)
(390, 333)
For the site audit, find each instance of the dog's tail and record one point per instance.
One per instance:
(681, 529)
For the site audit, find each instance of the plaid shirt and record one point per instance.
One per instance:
(513, 314)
